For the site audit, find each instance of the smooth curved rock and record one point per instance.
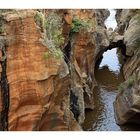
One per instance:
(127, 104)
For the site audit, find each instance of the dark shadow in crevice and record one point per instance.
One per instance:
(67, 52)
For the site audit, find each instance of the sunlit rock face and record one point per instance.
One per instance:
(127, 103)
(50, 94)
(32, 79)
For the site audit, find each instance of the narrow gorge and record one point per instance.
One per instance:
(69, 70)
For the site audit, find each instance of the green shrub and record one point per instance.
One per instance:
(47, 55)
(121, 88)
(53, 25)
(39, 19)
(52, 28)
(58, 38)
(130, 81)
(78, 23)
(54, 36)
(57, 53)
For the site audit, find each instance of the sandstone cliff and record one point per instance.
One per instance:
(84, 46)
(33, 82)
(47, 71)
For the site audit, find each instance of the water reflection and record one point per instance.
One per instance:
(108, 77)
(102, 118)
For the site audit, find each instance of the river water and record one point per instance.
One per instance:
(109, 76)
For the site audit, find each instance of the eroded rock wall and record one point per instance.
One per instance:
(127, 104)
(31, 78)
(85, 46)
(49, 94)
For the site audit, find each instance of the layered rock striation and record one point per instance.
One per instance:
(41, 89)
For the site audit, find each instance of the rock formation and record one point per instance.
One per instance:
(127, 104)
(85, 46)
(40, 91)
(33, 81)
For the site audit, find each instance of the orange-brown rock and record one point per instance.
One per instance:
(84, 47)
(51, 94)
(33, 87)
(58, 116)
(67, 16)
(25, 68)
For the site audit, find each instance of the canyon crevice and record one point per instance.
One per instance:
(47, 72)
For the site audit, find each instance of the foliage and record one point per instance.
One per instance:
(78, 23)
(39, 19)
(57, 53)
(58, 38)
(47, 55)
(54, 37)
(128, 83)
(52, 29)
(53, 26)
(121, 88)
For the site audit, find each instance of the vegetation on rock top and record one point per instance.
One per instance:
(77, 24)
(52, 26)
